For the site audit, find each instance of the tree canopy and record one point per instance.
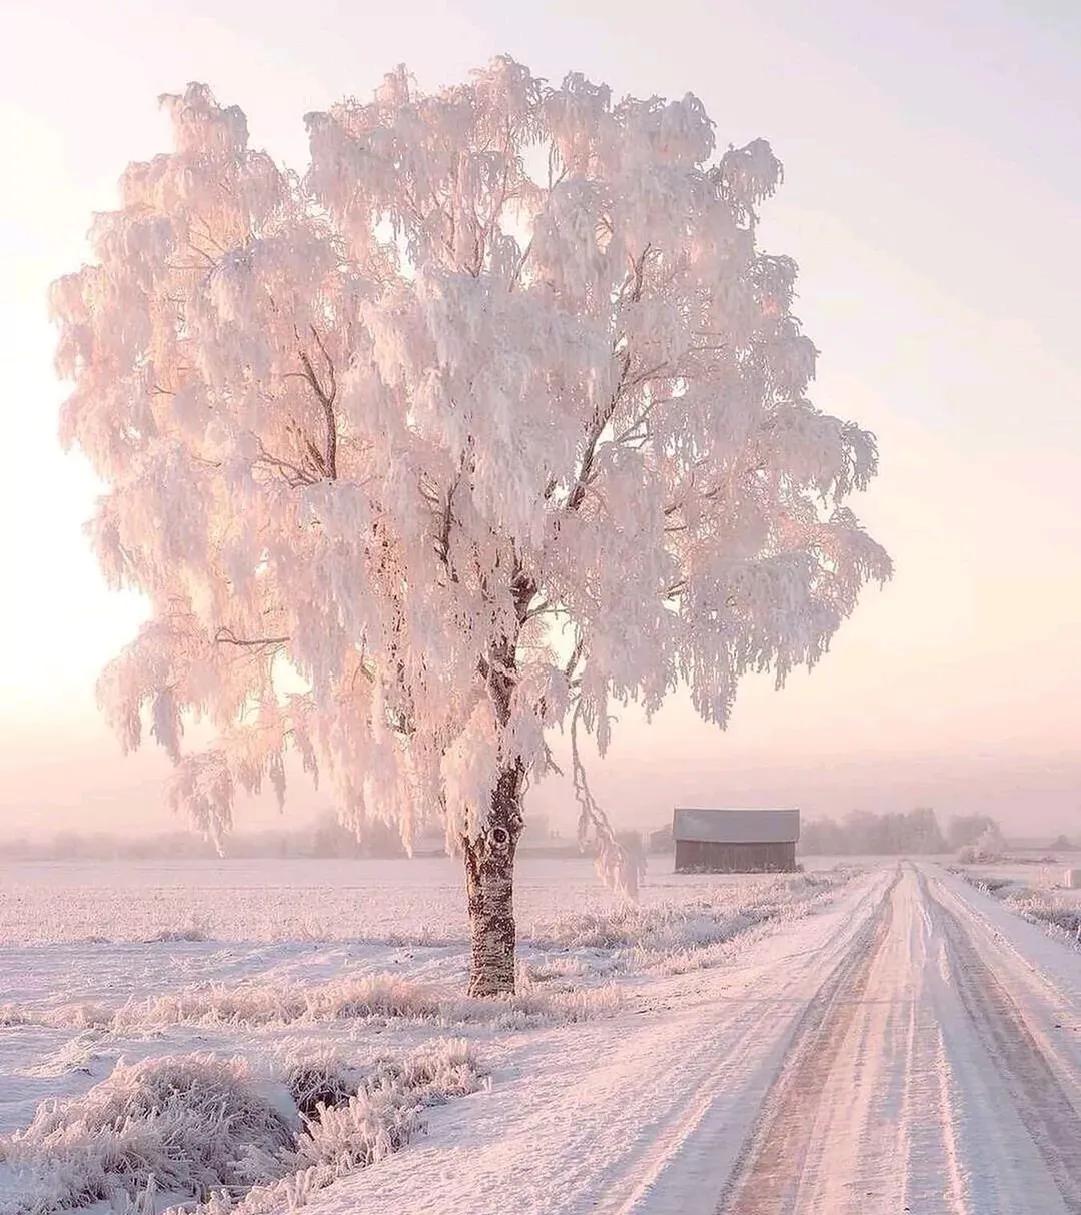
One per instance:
(494, 418)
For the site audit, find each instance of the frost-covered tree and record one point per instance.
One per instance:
(964, 829)
(494, 418)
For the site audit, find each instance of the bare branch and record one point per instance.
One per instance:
(326, 397)
(293, 474)
(226, 636)
(330, 365)
(442, 546)
(575, 657)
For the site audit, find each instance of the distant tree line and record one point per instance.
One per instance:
(325, 837)
(862, 832)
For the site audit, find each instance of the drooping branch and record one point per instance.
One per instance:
(597, 428)
(617, 867)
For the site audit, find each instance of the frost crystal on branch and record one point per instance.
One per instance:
(496, 416)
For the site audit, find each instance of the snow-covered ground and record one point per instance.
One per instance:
(1035, 889)
(857, 1041)
(291, 900)
(1038, 871)
(286, 964)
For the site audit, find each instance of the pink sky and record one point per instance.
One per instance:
(932, 179)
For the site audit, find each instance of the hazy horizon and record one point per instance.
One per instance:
(934, 217)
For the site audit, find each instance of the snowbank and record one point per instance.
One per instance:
(1059, 917)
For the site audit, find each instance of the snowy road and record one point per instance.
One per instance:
(920, 1078)
(914, 1048)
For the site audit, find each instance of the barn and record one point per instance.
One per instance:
(735, 841)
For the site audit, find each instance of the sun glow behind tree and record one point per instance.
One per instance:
(495, 417)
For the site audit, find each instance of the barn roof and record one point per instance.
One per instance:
(736, 826)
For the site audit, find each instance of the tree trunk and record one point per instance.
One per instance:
(489, 880)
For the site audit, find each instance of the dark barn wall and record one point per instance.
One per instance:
(697, 856)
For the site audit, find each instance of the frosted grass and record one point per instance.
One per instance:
(213, 1131)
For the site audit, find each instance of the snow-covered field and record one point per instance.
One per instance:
(293, 900)
(861, 1040)
(286, 966)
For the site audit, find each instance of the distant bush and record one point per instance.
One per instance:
(967, 829)
(989, 848)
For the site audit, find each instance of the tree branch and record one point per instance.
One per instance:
(225, 635)
(442, 546)
(293, 474)
(616, 865)
(575, 657)
(604, 416)
(326, 397)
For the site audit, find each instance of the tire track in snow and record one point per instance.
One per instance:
(933, 1177)
(680, 1156)
(769, 1171)
(887, 1102)
(1043, 1105)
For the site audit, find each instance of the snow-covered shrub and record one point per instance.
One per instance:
(384, 1113)
(558, 971)
(326, 1081)
(1060, 918)
(382, 1116)
(193, 1123)
(530, 1008)
(75, 1055)
(193, 931)
(996, 886)
(208, 1130)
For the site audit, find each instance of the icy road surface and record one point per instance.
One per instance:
(914, 1048)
